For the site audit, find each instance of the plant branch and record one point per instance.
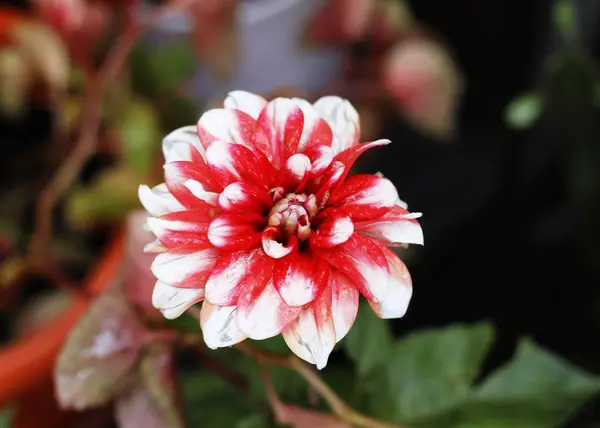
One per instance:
(88, 131)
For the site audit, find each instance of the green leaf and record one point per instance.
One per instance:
(369, 341)
(211, 402)
(6, 417)
(139, 132)
(565, 18)
(254, 421)
(431, 371)
(523, 111)
(160, 68)
(536, 389)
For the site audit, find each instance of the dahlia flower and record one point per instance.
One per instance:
(259, 219)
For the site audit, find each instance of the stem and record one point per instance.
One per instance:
(90, 126)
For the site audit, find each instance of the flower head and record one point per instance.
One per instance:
(258, 218)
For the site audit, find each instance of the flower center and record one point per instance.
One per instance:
(292, 213)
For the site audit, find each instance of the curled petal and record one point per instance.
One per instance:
(235, 231)
(365, 196)
(247, 102)
(231, 126)
(244, 198)
(230, 163)
(299, 278)
(323, 185)
(235, 270)
(178, 176)
(182, 145)
(312, 335)
(186, 267)
(158, 200)
(174, 301)
(183, 228)
(343, 119)
(295, 172)
(275, 249)
(320, 158)
(394, 303)
(219, 326)
(361, 259)
(333, 227)
(397, 226)
(344, 303)
(262, 313)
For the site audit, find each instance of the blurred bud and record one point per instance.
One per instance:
(44, 51)
(339, 22)
(16, 79)
(66, 16)
(426, 84)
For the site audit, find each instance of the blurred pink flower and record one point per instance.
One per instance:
(340, 21)
(259, 219)
(426, 84)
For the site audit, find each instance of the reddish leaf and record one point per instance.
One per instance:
(100, 352)
(149, 400)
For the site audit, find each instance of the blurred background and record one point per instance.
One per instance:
(492, 108)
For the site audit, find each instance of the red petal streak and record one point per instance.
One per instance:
(350, 155)
(244, 198)
(182, 228)
(365, 196)
(186, 267)
(232, 126)
(235, 231)
(363, 261)
(262, 313)
(234, 270)
(322, 186)
(333, 227)
(299, 278)
(177, 174)
(312, 335)
(344, 303)
(282, 120)
(273, 247)
(397, 226)
(233, 162)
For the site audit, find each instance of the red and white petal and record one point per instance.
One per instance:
(361, 259)
(244, 198)
(231, 163)
(182, 145)
(320, 158)
(350, 155)
(365, 196)
(397, 226)
(322, 186)
(174, 301)
(343, 119)
(180, 173)
(198, 190)
(271, 245)
(247, 102)
(333, 227)
(235, 231)
(233, 271)
(182, 228)
(158, 200)
(219, 326)
(185, 267)
(399, 292)
(294, 173)
(230, 126)
(299, 278)
(344, 303)
(312, 335)
(315, 130)
(262, 313)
